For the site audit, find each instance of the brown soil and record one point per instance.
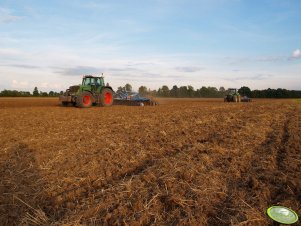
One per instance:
(185, 162)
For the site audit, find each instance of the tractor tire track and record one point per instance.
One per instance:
(287, 187)
(21, 188)
(229, 211)
(255, 180)
(282, 151)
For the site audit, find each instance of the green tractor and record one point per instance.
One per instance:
(92, 91)
(232, 96)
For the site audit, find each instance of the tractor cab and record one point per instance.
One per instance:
(232, 96)
(232, 91)
(93, 84)
(90, 80)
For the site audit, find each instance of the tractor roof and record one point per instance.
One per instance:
(91, 76)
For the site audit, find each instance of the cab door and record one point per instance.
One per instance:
(98, 84)
(93, 85)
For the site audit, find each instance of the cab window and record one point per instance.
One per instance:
(98, 82)
(87, 81)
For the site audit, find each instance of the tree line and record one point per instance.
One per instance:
(175, 92)
(269, 93)
(35, 93)
(191, 92)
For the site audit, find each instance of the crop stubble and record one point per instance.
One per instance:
(196, 162)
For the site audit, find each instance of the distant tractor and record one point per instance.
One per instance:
(232, 96)
(92, 91)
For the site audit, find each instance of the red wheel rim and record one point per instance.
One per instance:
(108, 98)
(86, 100)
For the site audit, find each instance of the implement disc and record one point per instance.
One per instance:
(282, 215)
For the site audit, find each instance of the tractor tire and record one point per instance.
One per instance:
(235, 99)
(105, 98)
(84, 100)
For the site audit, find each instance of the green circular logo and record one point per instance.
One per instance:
(282, 215)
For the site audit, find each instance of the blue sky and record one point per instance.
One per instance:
(230, 43)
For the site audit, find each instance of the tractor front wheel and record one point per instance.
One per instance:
(84, 100)
(106, 97)
(235, 99)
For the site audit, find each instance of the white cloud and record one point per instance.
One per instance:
(50, 86)
(6, 16)
(4, 52)
(189, 69)
(296, 54)
(19, 85)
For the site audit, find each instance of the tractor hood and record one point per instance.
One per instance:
(74, 89)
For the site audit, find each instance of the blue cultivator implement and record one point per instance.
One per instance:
(132, 99)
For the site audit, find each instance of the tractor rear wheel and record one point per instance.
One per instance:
(106, 97)
(84, 100)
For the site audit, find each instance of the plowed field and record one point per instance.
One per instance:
(184, 162)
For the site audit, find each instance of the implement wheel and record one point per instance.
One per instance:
(106, 97)
(84, 100)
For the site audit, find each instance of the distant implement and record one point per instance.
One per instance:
(232, 96)
(92, 91)
(246, 99)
